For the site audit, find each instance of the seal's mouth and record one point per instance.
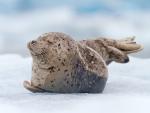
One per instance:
(30, 47)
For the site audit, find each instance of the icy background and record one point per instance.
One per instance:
(128, 86)
(23, 20)
(127, 90)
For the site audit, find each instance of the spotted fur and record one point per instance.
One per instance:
(63, 65)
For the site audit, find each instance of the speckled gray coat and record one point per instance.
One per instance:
(63, 65)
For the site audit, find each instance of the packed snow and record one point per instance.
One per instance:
(127, 90)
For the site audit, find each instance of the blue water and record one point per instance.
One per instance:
(83, 6)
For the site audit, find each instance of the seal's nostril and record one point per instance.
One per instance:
(33, 42)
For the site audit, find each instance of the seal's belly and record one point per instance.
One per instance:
(79, 82)
(68, 79)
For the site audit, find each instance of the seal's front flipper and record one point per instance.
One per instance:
(92, 60)
(31, 88)
(96, 72)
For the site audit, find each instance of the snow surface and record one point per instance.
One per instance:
(127, 90)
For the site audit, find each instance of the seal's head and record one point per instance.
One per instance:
(41, 45)
(41, 50)
(38, 47)
(51, 47)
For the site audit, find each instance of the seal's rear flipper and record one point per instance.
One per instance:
(31, 88)
(129, 46)
(128, 39)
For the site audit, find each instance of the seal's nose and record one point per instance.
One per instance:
(33, 42)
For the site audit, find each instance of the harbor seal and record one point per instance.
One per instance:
(63, 65)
